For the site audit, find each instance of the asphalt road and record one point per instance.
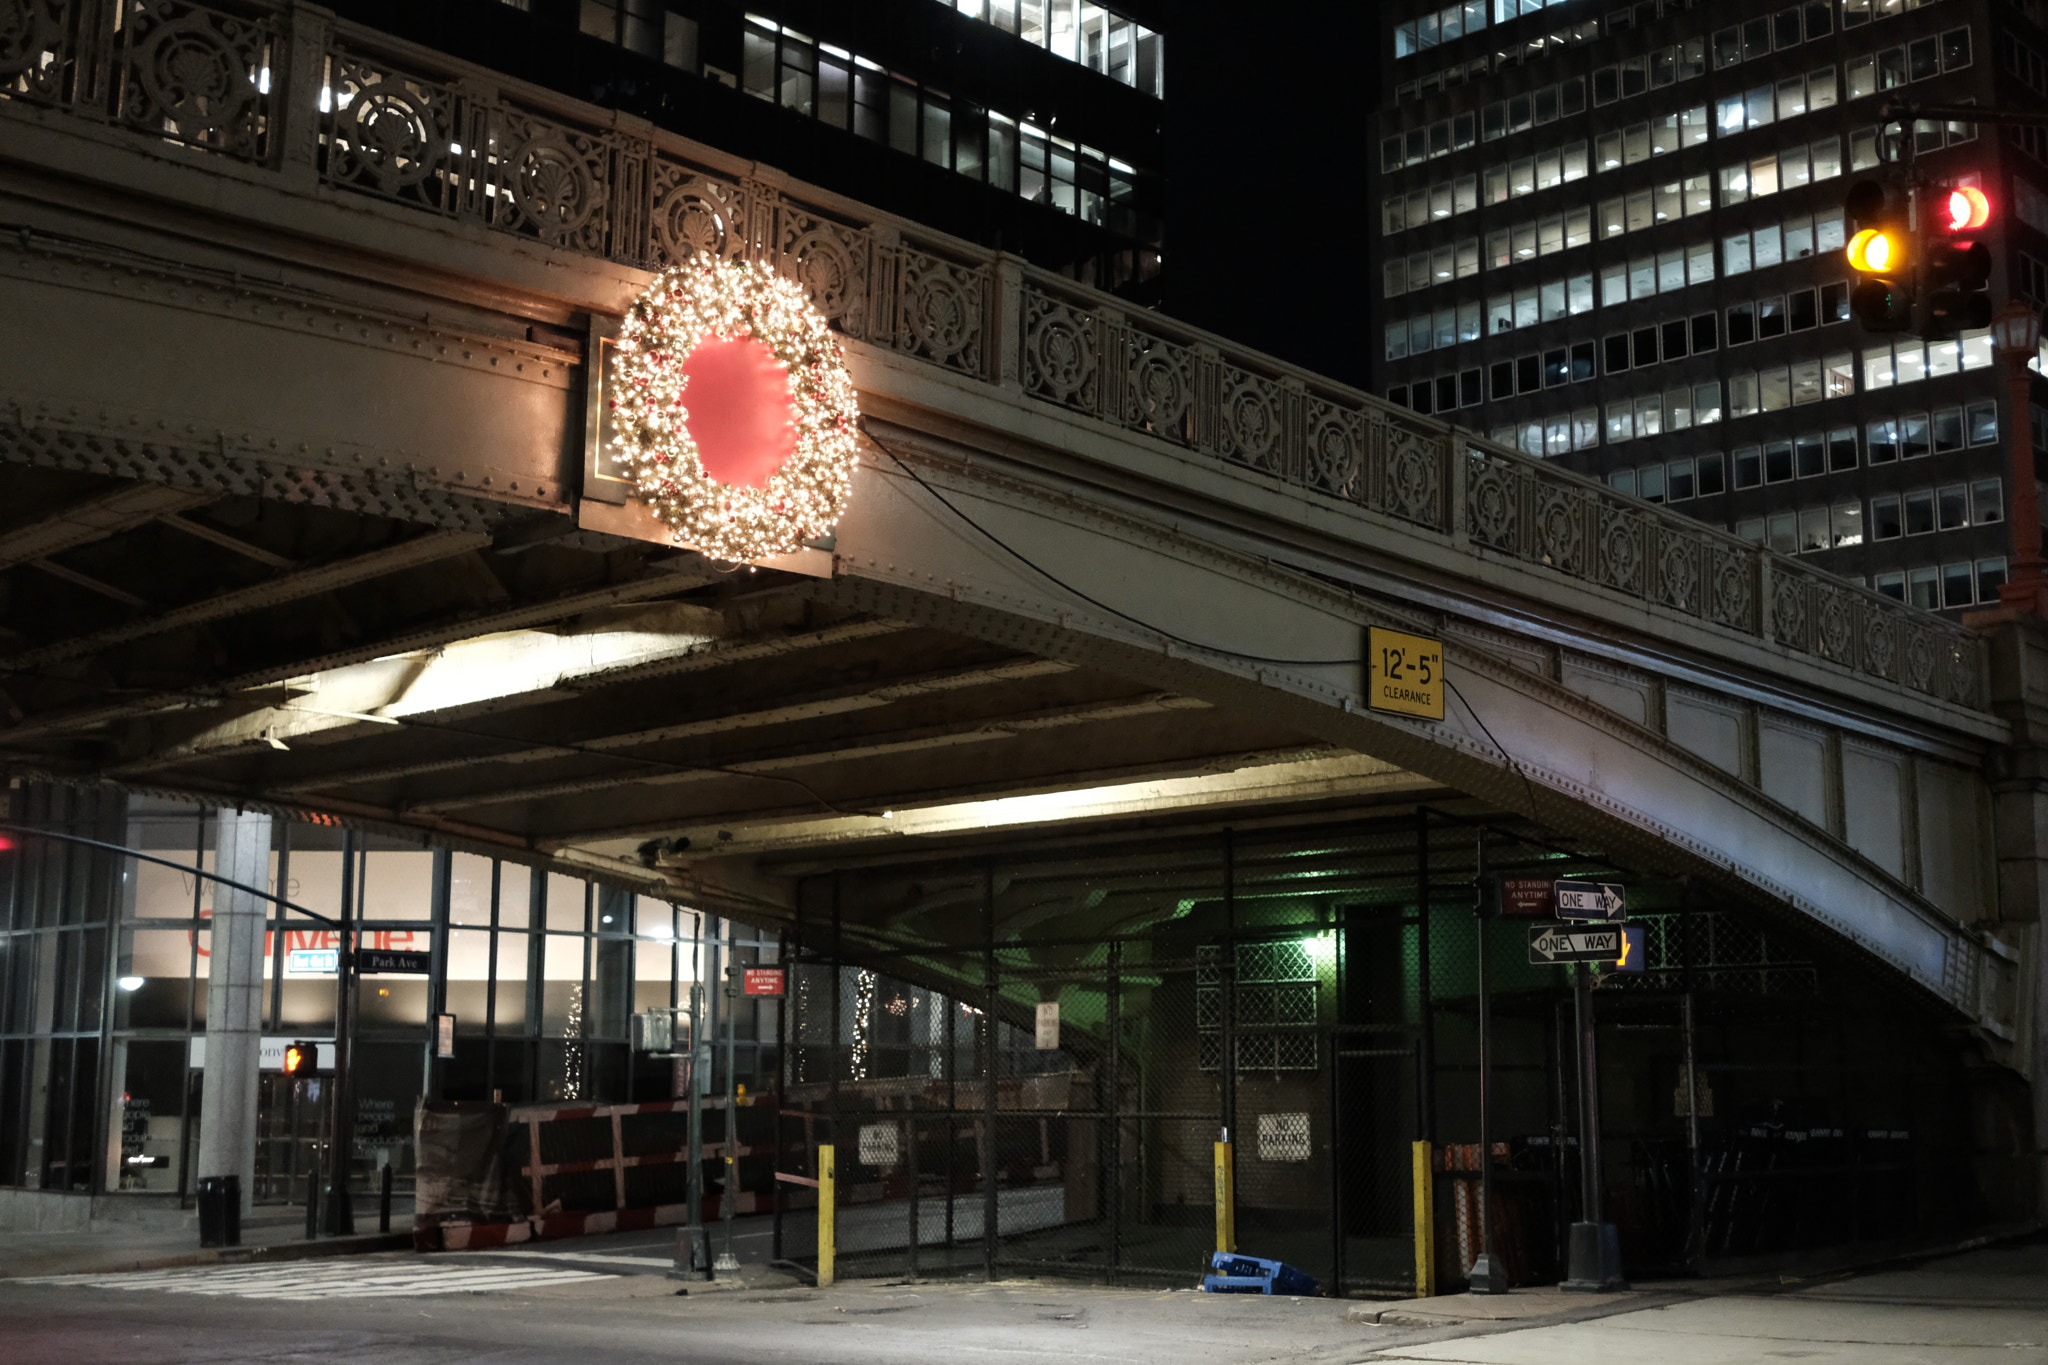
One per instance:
(607, 1300)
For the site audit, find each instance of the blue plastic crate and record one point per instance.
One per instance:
(1240, 1274)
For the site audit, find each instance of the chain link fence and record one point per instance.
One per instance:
(1025, 1065)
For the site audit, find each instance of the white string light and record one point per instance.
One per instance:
(685, 307)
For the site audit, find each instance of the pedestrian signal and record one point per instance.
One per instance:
(301, 1059)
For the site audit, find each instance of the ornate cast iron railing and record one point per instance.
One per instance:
(334, 108)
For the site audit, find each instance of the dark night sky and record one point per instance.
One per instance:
(1269, 118)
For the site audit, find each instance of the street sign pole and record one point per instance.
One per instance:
(1594, 1264)
(338, 1218)
(1488, 1276)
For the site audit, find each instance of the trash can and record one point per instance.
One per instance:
(220, 1211)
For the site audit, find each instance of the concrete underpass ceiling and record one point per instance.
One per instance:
(540, 690)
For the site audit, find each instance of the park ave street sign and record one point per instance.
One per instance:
(1589, 900)
(1555, 943)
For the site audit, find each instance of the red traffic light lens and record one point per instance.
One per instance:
(1967, 208)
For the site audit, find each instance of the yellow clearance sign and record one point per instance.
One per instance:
(1404, 673)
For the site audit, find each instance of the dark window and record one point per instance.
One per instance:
(1913, 435)
(1709, 475)
(1810, 456)
(1398, 393)
(1546, 104)
(1749, 468)
(1470, 390)
(1923, 58)
(1418, 397)
(1574, 101)
(1605, 88)
(1770, 316)
(1820, 20)
(1955, 48)
(1645, 345)
(1674, 339)
(1756, 39)
(1803, 310)
(1703, 330)
(1741, 323)
(1617, 353)
(1556, 368)
(1518, 112)
(1777, 462)
(1787, 22)
(1948, 430)
(1501, 379)
(1582, 361)
(1446, 392)
(1834, 302)
(1882, 440)
(1884, 519)
(1528, 374)
(1841, 449)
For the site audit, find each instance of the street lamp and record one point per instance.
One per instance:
(2016, 337)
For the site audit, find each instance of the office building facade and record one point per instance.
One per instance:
(1613, 237)
(1032, 126)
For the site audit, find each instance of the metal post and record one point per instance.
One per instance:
(1113, 1187)
(1226, 1200)
(2024, 589)
(1425, 1221)
(1589, 1139)
(990, 1211)
(828, 1241)
(1226, 995)
(1594, 1261)
(1488, 1275)
(1695, 1249)
(338, 1218)
(695, 1263)
(384, 1201)
(728, 1196)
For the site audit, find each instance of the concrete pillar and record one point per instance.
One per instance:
(234, 1003)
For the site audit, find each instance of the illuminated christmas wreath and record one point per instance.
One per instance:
(734, 411)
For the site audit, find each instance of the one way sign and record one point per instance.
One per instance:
(1554, 943)
(1589, 900)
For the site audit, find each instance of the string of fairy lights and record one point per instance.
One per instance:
(683, 308)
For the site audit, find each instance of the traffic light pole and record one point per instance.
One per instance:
(2016, 335)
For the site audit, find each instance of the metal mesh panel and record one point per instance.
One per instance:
(1026, 1065)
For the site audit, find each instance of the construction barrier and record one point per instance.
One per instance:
(493, 1176)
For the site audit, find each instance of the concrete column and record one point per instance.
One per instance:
(234, 1003)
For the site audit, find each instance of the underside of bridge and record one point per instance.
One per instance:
(531, 689)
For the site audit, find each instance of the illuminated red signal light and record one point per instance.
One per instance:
(1968, 209)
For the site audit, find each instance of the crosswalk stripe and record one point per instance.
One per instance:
(328, 1280)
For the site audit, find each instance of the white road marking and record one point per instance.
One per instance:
(308, 1280)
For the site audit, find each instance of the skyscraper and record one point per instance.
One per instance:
(1613, 237)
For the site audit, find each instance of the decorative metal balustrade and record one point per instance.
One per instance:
(336, 108)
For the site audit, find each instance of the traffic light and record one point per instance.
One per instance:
(301, 1059)
(1955, 267)
(1881, 253)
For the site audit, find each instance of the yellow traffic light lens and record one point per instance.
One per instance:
(1871, 251)
(1968, 208)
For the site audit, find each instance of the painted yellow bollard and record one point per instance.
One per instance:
(827, 1225)
(1425, 1224)
(1226, 1200)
